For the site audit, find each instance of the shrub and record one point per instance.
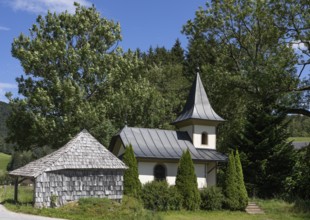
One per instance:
(158, 196)
(230, 191)
(241, 190)
(211, 198)
(186, 182)
(132, 185)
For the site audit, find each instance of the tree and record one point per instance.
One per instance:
(77, 77)
(186, 182)
(249, 60)
(132, 185)
(230, 186)
(267, 157)
(242, 193)
(297, 184)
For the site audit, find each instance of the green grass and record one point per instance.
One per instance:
(4, 160)
(98, 209)
(85, 209)
(274, 210)
(299, 139)
(25, 194)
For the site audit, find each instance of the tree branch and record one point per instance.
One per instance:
(298, 111)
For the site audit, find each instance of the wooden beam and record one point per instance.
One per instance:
(16, 190)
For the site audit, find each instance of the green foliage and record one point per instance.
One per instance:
(242, 193)
(158, 196)
(4, 160)
(297, 184)
(267, 158)
(86, 208)
(186, 182)
(132, 185)
(211, 198)
(243, 55)
(4, 114)
(299, 126)
(76, 77)
(231, 189)
(19, 159)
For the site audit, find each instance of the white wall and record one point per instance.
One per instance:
(211, 173)
(146, 170)
(195, 132)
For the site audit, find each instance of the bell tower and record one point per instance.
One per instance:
(198, 117)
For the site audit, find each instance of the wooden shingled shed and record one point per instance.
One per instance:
(82, 168)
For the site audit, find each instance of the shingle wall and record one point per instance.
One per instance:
(71, 185)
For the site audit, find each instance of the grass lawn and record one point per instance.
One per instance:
(299, 139)
(98, 209)
(4, 160)
(274, 210)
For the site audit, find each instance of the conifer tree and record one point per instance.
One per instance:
(132, 184)
(186, 182)
(242, 193)
(230, 188)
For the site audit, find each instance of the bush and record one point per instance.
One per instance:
(230, 191)
(158, 196)
(186, 182)
(242, 193)
(132, 184)
(211, 198)
(5, 178)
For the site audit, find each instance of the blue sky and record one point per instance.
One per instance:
(144, 23)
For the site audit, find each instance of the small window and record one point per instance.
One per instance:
(204, 138)
(159, 172)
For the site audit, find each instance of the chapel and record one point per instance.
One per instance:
(158, 151)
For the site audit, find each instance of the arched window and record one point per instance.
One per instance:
(204, 138)
(159, 172)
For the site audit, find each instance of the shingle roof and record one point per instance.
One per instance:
(82, 152)
(198, 105)
(164, 144)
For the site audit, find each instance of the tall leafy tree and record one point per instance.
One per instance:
(186, 182)
(77, 77)
(297, 184)
(265, 150)
(132, 184)
(251, 62)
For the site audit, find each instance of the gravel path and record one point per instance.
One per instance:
(8, 215)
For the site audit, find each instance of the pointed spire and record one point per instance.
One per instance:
(198, 105)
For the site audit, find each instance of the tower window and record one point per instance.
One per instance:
(204, 138)
(159, 172)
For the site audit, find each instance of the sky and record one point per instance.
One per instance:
(144, 23)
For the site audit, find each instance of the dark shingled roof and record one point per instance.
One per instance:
(198, 105)
(164, 144)
(82, 152)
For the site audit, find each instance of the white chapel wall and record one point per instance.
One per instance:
(195, 132)
(146, 172)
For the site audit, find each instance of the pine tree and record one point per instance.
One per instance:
(186, 182)
(242, 193)
(230, 188)
(132, 184)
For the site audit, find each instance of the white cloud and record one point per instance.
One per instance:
(2, 28)
(297, 45)
(41, 6)
(4, 88)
